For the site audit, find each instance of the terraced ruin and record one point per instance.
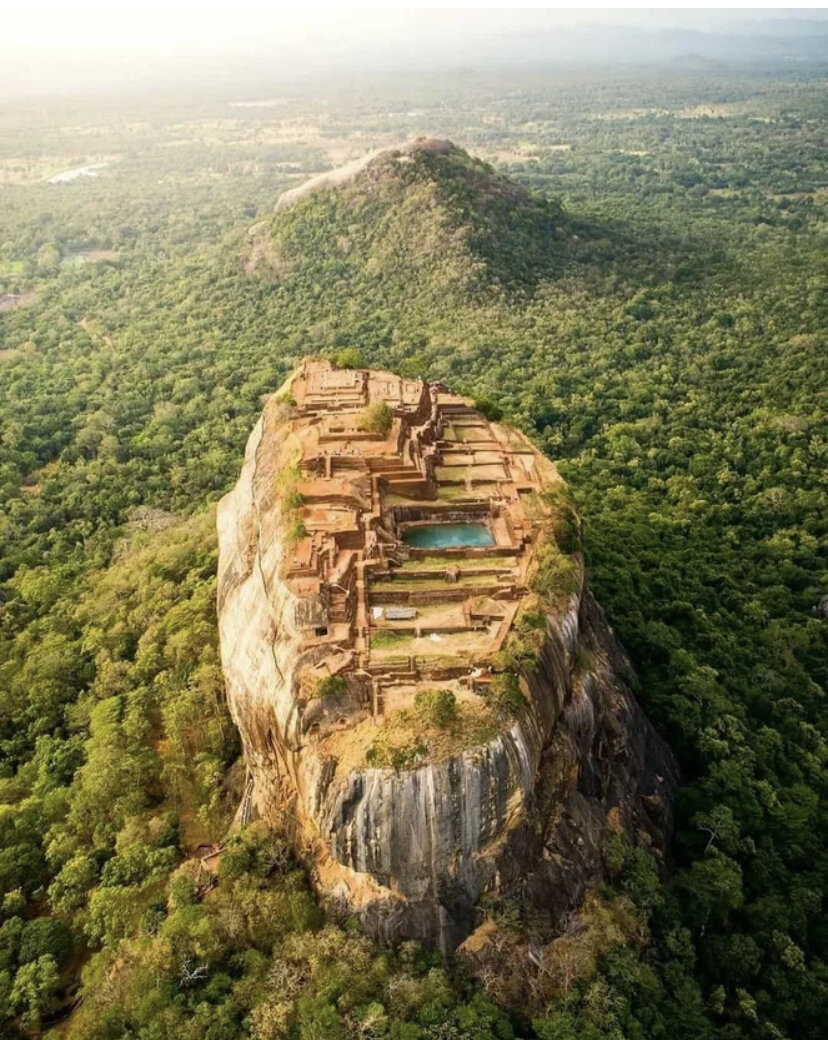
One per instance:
(415, 540)
(427, 696)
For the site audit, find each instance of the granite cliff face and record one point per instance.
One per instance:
(308, 565)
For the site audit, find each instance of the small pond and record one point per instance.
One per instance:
(447, 536)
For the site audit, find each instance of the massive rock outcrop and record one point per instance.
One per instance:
(332, 622)
(425, 218)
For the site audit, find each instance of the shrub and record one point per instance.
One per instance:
(556, 576)
(405, 757)
(505, 693)
(330, 686)
(318, 1020)
(183, 891)
(531, 621)
(348, 357)
(565, 525)
(519, 653)
(287, 479)
(14, 904)
(436, 707)
(237, 858)
(614, 852)
(152, 919)
(293, 500)
(296, 532)
(44, 937)
(487, 408)
(376, 418)
(584, 659)
(379, 755)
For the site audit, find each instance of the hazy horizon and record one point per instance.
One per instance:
(48, 46)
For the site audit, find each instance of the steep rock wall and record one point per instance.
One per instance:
(411, 852)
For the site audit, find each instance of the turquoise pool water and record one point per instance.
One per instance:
(447, 536)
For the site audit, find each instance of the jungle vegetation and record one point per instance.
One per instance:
(645, 296)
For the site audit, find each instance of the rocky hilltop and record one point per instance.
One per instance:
(429, 699)
(424, 215)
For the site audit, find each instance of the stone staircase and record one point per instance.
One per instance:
(339, 606)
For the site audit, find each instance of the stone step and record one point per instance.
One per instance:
(395, 678)
(400, 473)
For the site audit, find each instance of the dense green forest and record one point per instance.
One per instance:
(645, 296)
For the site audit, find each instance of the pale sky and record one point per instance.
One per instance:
(159, 25)
(102, 44)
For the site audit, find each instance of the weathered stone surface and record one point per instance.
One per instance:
(411, 852)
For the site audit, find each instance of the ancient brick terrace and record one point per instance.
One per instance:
(417, 542)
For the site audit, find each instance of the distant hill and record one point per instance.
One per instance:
(425, 215)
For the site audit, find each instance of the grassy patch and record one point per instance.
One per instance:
(382, 638)
(290, 502)
(391, 498)
(471, 433)
(412, 736)
(440, 563)
(534, 505)
(404, 584)
(458, 492)
(452, 472)
(584, 660)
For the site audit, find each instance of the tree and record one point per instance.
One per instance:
(436, 707)
(318, 1020)
(376, 417)
(720, 828)
(349, 357)
(34, 992)
(486, 406)
(713, 888)
(45, 936)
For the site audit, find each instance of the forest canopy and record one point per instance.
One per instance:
(631, 269)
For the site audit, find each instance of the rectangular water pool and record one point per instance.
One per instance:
(448, 536)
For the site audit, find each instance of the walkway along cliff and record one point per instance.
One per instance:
(429, 698)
